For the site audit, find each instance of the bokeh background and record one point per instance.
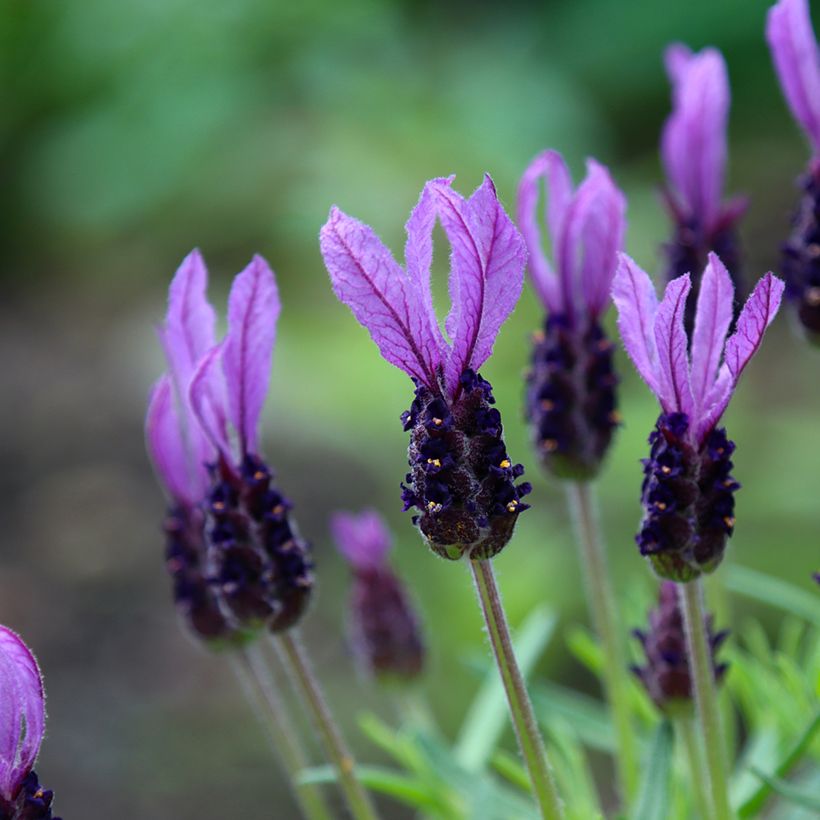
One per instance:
(131, 132)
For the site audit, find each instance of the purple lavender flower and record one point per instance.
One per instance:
(384, 629)
(461, 479)
(22, 726)
(666, 676)
(796, 58)
(571, 386)
(688, 491)
(693, 151)
(233, 552)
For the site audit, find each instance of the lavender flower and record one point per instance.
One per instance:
(796, 58)
(461, 479)
(22, 726)
(666, 676)
(688, 491)
(235, 557)
(384, 629)
(571, 386)
(693, 150)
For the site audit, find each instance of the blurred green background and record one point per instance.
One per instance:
(131, 132)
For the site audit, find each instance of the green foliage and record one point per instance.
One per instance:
(653, 798)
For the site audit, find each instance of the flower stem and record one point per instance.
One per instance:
(255, 678)
(526, 729)
(703, 683)
(296, 661)
(687, 733)
(601, 603)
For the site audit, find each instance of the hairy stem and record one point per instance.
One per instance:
(703, 684)
(526, 729)
(698, 780)
(601, 603)
(296, 661)
(260, 689)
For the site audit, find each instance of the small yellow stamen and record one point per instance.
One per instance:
(505, 464)
(433, 506)
(278, 509)
(258, 475)
(438, 422)
(550, 445)
(666, 470)
(512, 506)
(434, 461)
(729, 521)
(219, 506)
(728, 483)
(661, 506)
(547, 404)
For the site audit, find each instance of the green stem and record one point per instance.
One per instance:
(296, 661)
(703, 684)
(601, 603)
(687, 733)
(526, 729)
(255, 677)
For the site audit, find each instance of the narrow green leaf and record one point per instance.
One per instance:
(583, 645)
(487, 715)
(588, 716)
(511, 769)
(773, 591)
(800, 797)
(399, 746)
(653, 797)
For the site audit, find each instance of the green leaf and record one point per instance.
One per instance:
(511, 769)
(653, 796)
(773, 591)
(487, 715)
(582, 643)
(588, 716)
(800, 797)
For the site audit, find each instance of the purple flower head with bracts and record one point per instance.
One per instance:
(693, 151)
(571, 386)
(384, 629)
(797, 60)
(233, 552)
(688, 492)
(22, 726)
(461, 478)
(666, 676)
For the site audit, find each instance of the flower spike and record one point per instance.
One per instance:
(571, 386)
(688, 492)
(460, 478)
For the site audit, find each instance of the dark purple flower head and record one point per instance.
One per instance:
(797, 60)
(235, 557)
(461, 479)
(666, 676)
(384, 629)
(688, 490)
(571, 385)
(22, 726)
(693, 150)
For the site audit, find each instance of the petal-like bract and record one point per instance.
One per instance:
(672, 344)
(797, 60)
(363, 539)
(209, 399)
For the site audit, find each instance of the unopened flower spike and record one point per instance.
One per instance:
(22, 726)
(385, 633)
(693, 151)
(688, 490)
(797, 61)
(571, 400)
(461, 479)
(237, 561)
(666, 675)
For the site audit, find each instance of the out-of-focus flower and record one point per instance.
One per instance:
(236, 558)
(461, 478)
(571, 386)
(384, 629)
(693, 151)
(797, 61)
(688, 491)
(666, 676)
(22, 726)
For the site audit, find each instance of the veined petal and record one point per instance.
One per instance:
(22, 711)
(363, 539)
(253, 310)
(673, 358)
(550, 166)
(486, 274)
(693, 144)
(712, 319)
(795, 53)
(637, 304)
(717, 400)
(368, 280)
(209, 400)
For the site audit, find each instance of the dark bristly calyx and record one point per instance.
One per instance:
(32, 802)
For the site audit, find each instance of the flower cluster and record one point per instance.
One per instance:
(687, 492)
(235, 556)
(461, 479)
(571, 401)
(22, 726)
(385, 633)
